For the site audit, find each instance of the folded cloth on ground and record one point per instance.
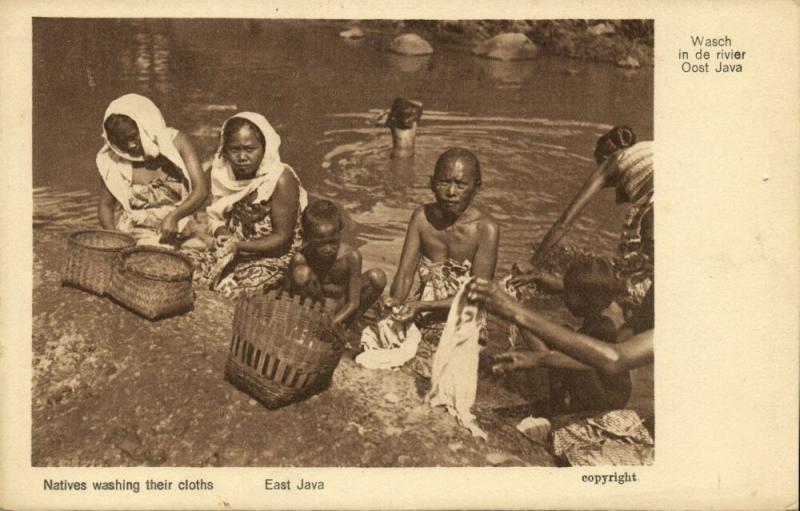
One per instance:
(388, 344)
(454, 378)
(617, 437)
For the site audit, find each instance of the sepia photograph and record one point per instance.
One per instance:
(342, 243)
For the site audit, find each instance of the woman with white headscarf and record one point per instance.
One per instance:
(151, 178)
(255, 211)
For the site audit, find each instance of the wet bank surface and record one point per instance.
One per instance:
(111, 388)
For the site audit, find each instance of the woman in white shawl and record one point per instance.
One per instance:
(255, 212)
(149, 173)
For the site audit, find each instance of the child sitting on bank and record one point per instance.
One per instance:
(328, 269)
(589, 290)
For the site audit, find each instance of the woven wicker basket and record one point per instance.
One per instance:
(153, 282)
(91, 255)
(284, 348)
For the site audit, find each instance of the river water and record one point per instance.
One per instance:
(532, 124)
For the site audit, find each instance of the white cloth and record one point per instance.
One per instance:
(389, 344)
(227, 190)
(116, 167)
(454, 379)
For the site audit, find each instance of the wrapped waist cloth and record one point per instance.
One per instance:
(437, 281)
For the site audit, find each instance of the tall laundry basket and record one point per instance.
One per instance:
(284, 348)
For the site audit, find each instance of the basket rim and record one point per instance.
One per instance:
(74, 235)
(124, 253)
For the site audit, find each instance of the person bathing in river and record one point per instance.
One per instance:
(255, 212)
(446, 242)
(402, 120)
(626, 165)
(327, 268)
(151, 179)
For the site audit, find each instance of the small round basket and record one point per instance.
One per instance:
(91, 255)
(153, 282)
(284, 348)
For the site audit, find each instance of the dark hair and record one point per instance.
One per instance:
(455, 154)
(618, 137)
(322, 212)
(113, 124)
(404, 113)
(594, 279)
(234, 124)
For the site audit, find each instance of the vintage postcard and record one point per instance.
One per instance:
(318, 255)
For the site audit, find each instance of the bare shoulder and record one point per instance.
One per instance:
(298, 258)
(182, 141)
(419, 213)
(419, 217)
(486, 224)
(349, 254)
(287, 180)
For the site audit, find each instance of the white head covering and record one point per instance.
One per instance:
(115, 166)
(227, 190)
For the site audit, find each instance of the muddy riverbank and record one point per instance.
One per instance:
(112, 389)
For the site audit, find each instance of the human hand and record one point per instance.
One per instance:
(493, 297)
(222, 231)
(389, 303)
(407, 311)
(381, 118)
(169, 229)
(515, 360)
(522, 268)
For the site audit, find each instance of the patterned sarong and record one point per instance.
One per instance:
(246, 273)
(150, 204)
(437, 281)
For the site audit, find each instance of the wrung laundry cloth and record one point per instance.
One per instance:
(454, 379)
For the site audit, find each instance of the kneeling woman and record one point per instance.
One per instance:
(255, 212)
(149, 170)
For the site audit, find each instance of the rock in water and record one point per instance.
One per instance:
(628, 62)
(410, 44)
(507, 47)
(601, 29)
(353, 33)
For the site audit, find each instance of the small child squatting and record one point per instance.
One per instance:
(328, 269)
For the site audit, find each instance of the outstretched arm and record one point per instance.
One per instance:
(353, 259)
(596, 181)
(105, 207)
(608, 358)
(409, 259)
(199, 187)
(199, 192)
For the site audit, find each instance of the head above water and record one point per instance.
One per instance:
(589, 287)
(404, 114)
(456, 178)
(243, 145)
(123, 133)
(618, 137)
(322, 228)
